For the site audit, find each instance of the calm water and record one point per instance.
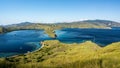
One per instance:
(102, 37)
(22, 41)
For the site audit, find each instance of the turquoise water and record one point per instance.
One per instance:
(22, 41)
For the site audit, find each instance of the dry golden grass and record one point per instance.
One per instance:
(55, 54)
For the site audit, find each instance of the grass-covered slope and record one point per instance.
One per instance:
(50, 28)
(1, 29)
(56, 54)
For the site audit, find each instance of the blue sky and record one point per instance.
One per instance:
(49, 11)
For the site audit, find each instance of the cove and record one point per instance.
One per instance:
(102, 37)
(22, 41)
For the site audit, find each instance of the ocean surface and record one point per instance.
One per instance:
(102, 37)
(23, 41)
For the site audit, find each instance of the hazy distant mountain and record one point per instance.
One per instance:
(107, 23)
(104, 22)
(20, 24)
(24, 23)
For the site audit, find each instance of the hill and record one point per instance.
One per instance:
(74, 24)
(104, 22)
(19, 24)
(50, 28)
(1, 29)
(55, 54)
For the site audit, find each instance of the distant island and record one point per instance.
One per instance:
(50, 28)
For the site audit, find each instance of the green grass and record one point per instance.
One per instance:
(55, 54)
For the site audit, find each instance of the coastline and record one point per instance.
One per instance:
(39, 46)
(37, 49)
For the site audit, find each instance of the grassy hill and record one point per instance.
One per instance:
(55, 54)
(1, 29)
(50, 28)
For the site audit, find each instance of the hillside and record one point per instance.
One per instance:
(96, 23)
(50, 28)
(56, 54)
(104, 22)
(1, 29)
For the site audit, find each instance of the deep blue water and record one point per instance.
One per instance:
(22, 41)
(102, 37)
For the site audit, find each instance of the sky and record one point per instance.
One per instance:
(51, 11)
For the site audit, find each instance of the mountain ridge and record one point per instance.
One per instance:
(108, 23)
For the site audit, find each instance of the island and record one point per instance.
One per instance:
(50, 28)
